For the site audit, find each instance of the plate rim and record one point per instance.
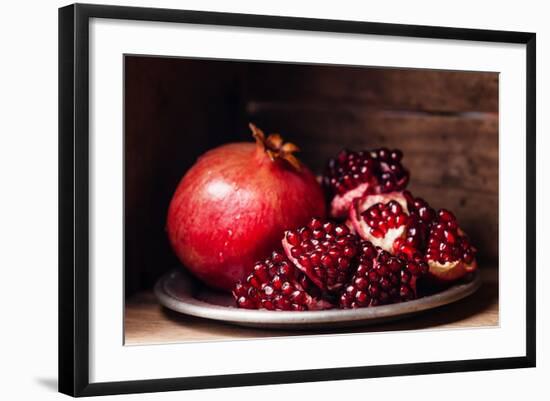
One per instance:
(198, 308)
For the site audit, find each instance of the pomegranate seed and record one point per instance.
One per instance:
(328, 226)
(246, 303)
(396, 155)
(315, 224)
(446, 216)
(292, 237)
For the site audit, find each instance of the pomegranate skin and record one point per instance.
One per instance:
(231, 210)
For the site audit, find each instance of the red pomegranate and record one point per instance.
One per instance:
(234, 204)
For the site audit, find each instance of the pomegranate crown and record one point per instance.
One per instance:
(275, 147)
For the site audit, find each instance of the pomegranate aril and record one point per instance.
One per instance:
(315, 224)
(304, 233)
(275, 284)
(328, 226)
(246, 303)
(446, 216)
(396, 155)
(293, 238)
(326, 261)
(340, 230)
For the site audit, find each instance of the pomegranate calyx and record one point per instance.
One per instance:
(275, 147)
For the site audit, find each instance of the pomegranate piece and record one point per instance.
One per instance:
(354, 174)
(324, 251)
(275, 284)
(382, 278)
(367, 188)
(380, 219)
(450, 254)
(397, 222)
(421, 217)
(407, 226)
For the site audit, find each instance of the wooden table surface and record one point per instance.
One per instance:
(146, 322)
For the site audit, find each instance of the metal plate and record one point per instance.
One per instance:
(180, 292)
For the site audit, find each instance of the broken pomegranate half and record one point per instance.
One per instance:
(408, 227)
(275, 284)
(354, 174)
(396, 221)
(324, 251)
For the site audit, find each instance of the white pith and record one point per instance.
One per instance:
(386, 242)
(340, 203)
(451, 270)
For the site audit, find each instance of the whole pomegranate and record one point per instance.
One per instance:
(234, 204)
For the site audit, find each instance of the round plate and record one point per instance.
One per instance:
(178, 291)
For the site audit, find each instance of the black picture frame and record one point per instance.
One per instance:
(74, 192)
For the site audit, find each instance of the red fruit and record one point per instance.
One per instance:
(407, 226)
(381, 219)
(382, 278)
(232, 207)
(397, 222)
(449, 253)
(275, 284)
(324, 251)
(353, 174)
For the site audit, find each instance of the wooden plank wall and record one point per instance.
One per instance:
(175, 110)
(446, 123)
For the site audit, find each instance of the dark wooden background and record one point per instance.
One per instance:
(446, 123)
